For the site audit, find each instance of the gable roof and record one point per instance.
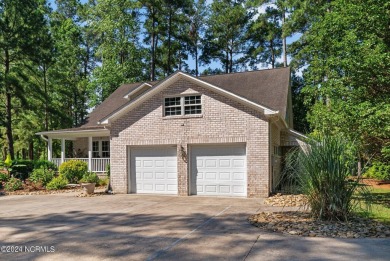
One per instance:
(267, 89)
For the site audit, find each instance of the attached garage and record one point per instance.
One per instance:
(218, 170)
(153, 170)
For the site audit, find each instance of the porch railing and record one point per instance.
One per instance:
(98, 164)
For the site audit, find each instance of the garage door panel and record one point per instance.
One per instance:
(172, 188)
(224, 163)
(218, 170)
(238, 189)
(159, 163)
(224, 176)
(238, 176)
(210, 163)
(210, 188)
(210, 176)
(155, 168)
(160, 175)
(225, 189)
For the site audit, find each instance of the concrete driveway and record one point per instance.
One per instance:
(134, 227)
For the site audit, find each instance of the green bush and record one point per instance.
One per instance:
(90, 177)
(108, 171)
(103, 182)
(379, 171)
(323, 172)
(3, 177)
(22, 168)
(73, 170)
(45, 164)
(59, 182)
(21, 171)
(13, 184)
(42, 176)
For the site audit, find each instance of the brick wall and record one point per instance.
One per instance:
(223, 121)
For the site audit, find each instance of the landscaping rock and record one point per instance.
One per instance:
(280, 200)
(301, 224)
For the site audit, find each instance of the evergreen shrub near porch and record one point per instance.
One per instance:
(323, 172)
(73, 170)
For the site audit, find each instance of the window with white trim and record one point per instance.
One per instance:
(100, 149)
(183, 105)
(95, 149)
(105, 149)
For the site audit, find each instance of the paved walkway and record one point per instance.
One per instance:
(134, 227)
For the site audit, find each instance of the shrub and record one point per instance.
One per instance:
(73, 170)
(45, 164)
(13, 184)
(378, 170)
(42, 176)
(90, 177)
(103, 182)
(3, 177)
(108, 171)
(322, 171)
(21, 171)
(59, 182)
(8, 161)
(22, 168)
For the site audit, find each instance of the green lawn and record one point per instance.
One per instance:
(381, 205)
(380, 208)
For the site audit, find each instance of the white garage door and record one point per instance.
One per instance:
(218, 170)
(153, 170)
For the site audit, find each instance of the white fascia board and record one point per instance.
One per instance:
(69, 134)
(172, 79)
(298, 134)
(127, 96)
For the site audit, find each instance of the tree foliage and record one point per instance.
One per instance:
(347, 76)
(57, 64)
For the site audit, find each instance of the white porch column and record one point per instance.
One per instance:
(49, 149)
(62, 150)
(90, 153)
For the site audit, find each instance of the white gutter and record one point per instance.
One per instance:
(43, 137)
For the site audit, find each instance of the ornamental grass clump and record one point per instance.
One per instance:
(323, 172)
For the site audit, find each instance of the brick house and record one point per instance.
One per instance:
(220, 135)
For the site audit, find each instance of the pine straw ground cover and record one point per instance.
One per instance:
(300, 223)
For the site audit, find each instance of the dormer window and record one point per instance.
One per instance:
(183, 105)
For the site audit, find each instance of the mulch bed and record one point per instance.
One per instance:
(29, 189)
(300, 223)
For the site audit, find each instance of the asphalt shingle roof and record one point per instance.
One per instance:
(268, 88)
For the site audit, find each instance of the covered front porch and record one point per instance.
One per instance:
(89, 145)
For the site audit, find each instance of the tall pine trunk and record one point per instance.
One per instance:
(47, 98)
(153, 47)
(284, 40)
(169, 41)
(196, 60)
(8, 107)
